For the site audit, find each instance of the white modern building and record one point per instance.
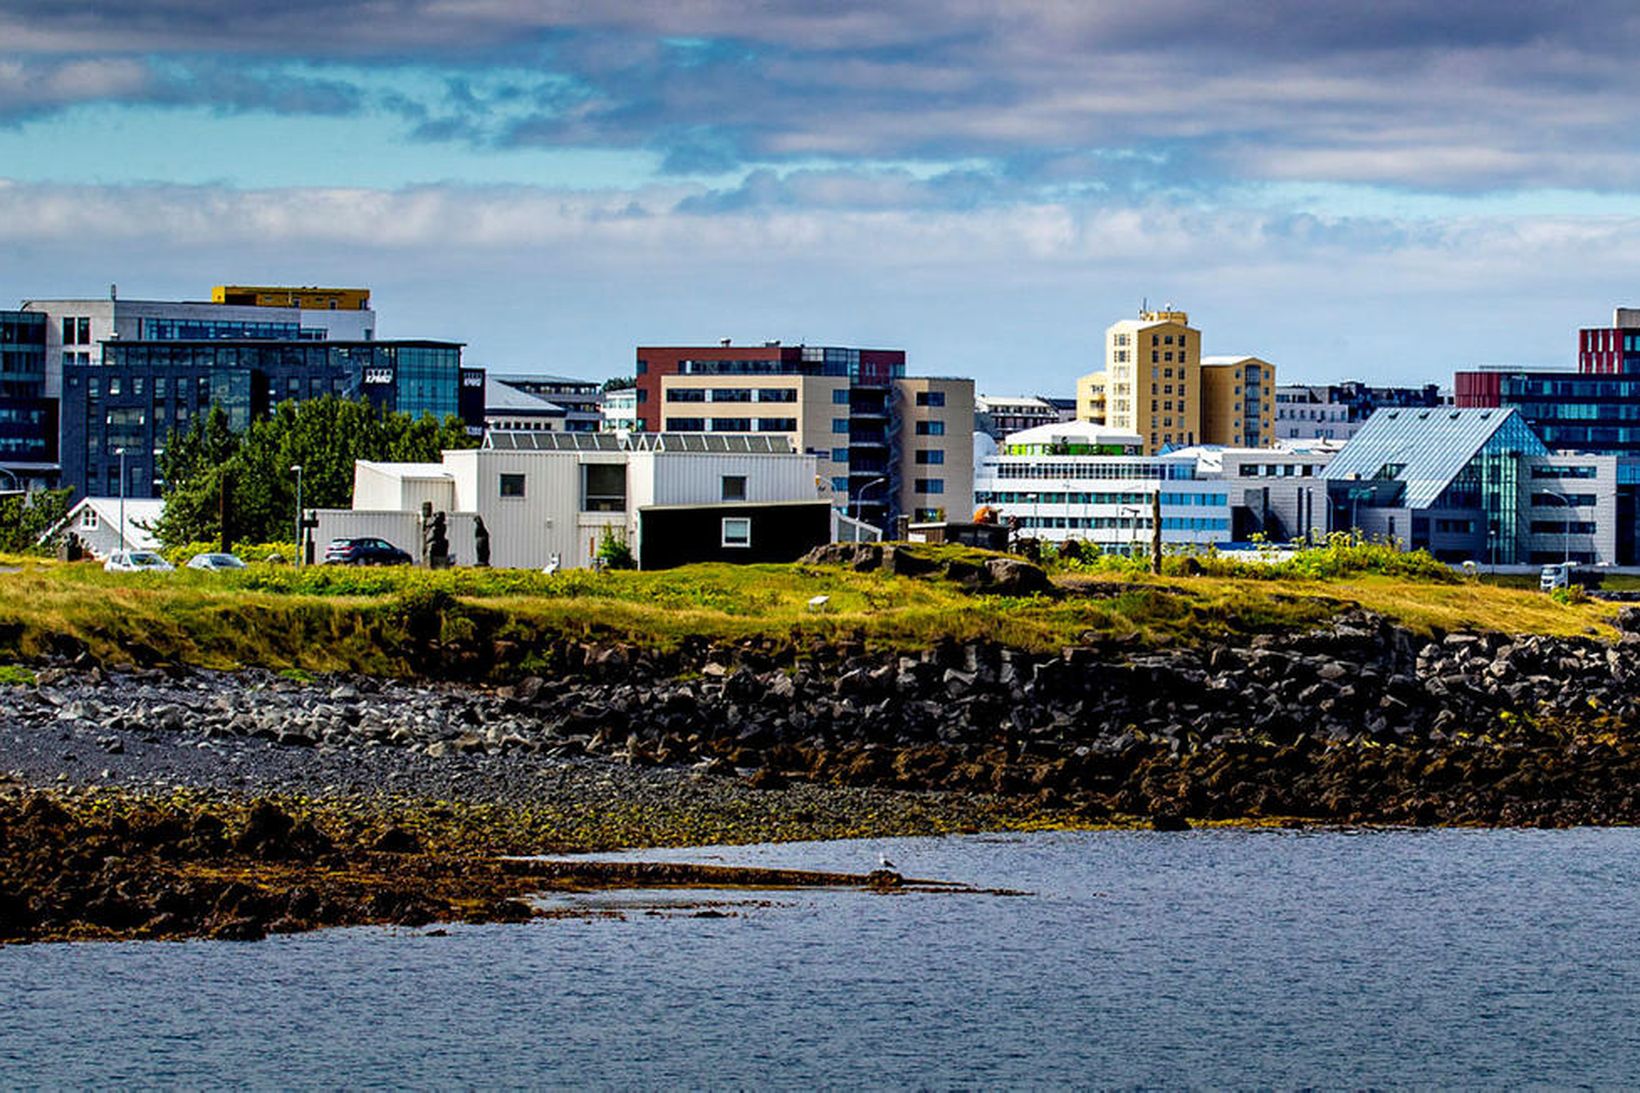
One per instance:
(549, 499)
(1077, 480)
(1306, 411)
(620, 409)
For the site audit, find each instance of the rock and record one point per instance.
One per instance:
(1168, 821)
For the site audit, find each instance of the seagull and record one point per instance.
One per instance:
(884, 863)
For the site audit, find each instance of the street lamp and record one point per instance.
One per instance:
(1566, 525)
(301, 555)
(122, 498)
(860, 496)
(1132, 513)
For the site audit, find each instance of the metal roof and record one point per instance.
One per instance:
(500, 398)
(1426, 448)
(543, 441)
(733, 443)
(719, 443)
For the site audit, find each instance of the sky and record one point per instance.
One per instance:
(1385, 192)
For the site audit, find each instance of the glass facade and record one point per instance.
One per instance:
(28, 420)
(144, 389)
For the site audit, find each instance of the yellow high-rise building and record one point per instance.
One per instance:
(1156, 383)
(1151, 383)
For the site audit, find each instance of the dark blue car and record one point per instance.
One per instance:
(364, 550)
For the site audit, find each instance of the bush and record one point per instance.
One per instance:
(248, 552)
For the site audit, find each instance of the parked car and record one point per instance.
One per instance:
(215, 562)
(136, 561)
(364, 550)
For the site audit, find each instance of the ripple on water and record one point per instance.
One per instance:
(1206, 958)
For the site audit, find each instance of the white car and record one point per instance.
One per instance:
(136, 561)
(215, 562)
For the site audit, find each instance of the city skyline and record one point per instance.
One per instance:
(1389, 196)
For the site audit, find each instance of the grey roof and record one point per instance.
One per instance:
(1431, 446)
(543, 441)
(738, 443)
(544, 377)
(499, 398)
(732, 443)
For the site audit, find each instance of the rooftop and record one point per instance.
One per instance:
(1425, 449)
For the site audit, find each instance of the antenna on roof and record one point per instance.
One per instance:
(1144, 305)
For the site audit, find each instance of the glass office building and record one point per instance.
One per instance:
(28, 420)
(143, 390)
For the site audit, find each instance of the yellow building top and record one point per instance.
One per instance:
(311, 299)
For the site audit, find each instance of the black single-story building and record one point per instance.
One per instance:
(735, 531)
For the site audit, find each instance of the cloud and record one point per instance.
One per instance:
(1462, 96)
(1013, 292)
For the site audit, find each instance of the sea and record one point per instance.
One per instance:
(1209, 958)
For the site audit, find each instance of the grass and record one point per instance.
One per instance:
(389, 621)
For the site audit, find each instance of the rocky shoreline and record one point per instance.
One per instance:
(1361, 722)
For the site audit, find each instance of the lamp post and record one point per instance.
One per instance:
(860, 496)
(122, 499)
(301, 555)
(1131, 512)
(1566, 525)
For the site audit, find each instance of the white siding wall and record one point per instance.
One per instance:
(440, 491)
(695, 478)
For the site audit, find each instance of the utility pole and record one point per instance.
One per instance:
(1156, 531)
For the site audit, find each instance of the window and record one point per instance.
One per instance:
(734, 487)
(84, 330)
(930, 457)
(930, 428)
(737, 531)
(930, 485)
(840, 485)
(685, 394)
(930, 398)
(68, 331)
(113, 386)
(839, 396)
(512, 485)
(839, 425)
(839, 455)
(686, 425)
(777, 394)
(88, 519)
(603, 487)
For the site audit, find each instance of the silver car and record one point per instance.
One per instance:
(215, 562)
(136, 561)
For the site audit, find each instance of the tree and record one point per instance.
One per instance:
(619, 383)
(24, 518)
(252, 470)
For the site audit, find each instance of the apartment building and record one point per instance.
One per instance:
(1151, 382)
(28, 420)
(1237, 401)
(886, 444)
(1157, 383)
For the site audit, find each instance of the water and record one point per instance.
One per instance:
(1227, 958)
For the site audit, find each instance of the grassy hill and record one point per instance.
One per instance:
(384, 621)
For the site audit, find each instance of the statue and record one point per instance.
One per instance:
(438, 543)
(481, 541)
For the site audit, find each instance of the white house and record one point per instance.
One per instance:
(551, 497)
(96, 520)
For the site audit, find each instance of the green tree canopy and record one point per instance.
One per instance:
(208, 466)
